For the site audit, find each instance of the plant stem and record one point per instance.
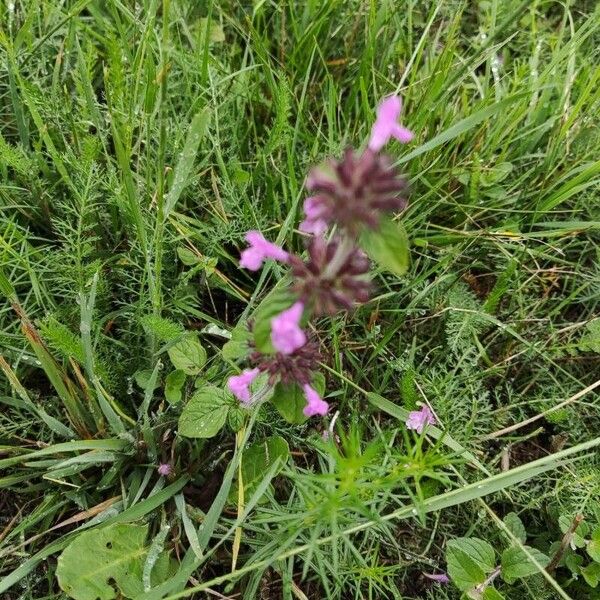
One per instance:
(564, 544)
(342, 252)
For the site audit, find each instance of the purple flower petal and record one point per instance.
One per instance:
(259, 250)
(165, 469)
(239, 385)
(315, 405)
(438, 577)
(417, 419)
(286, 334)
(386, 125)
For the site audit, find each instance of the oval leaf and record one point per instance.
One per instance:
(516, 564)
(174, 385)
(388, 246)
(290, 401)
(205, 413)
(188, 355)
(257, 460)
(515, 526)
(470, 560)
(104, 563)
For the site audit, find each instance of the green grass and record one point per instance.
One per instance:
(140, 140)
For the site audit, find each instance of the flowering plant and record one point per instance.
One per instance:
(347, 221)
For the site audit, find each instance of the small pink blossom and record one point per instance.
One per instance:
(438, 577)
(260, 249)
(164, 469)
(314, 222)
(239, 385)
(417, 419)
(286, 334)
(386, 125)
(315, 405)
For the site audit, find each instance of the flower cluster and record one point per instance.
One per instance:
(348, 196)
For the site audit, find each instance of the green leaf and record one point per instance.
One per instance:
(290, 401)
(205, 413)
(257, 460)
(278, 300)
(163, 329)
(593, 546)
(104, 563)
(187, 257)
(236, 417)
(174, 385)
(590, 342)
(237, 347)
(388, 246)
(491, 593)
(470, 560)
(591, 574)
(516, 564)
(184, 166)
(188, 355)
(515, 526)
(142, 378)
(571, 559)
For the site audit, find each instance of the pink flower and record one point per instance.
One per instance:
(165, 469)
(315, 405)
(417, 419)
(314, 210)
(239, 385)
(260, 249)
(286, 334)
(386, 125)
(438, 577)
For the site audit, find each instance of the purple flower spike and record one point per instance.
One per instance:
(239, 385)
(315, 405)
(438, 577)
(165, 469)
(260, 249)
(315, 212)
(386, 125)
(417, 419)
(286, 334)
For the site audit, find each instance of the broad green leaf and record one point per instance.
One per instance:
(187, 257)
(257, 460)
(236, 417)
(105, 563)
(205, 414)
(515, 526)
(188, 355)
(290, 401)
(491, 593)
(591, 574)
(174, 385)
(470, 560)
(142, 378)
(387, 246)
(237, 347)
(516, 564)
(571, 559)
(273, 304)
(593, 546)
